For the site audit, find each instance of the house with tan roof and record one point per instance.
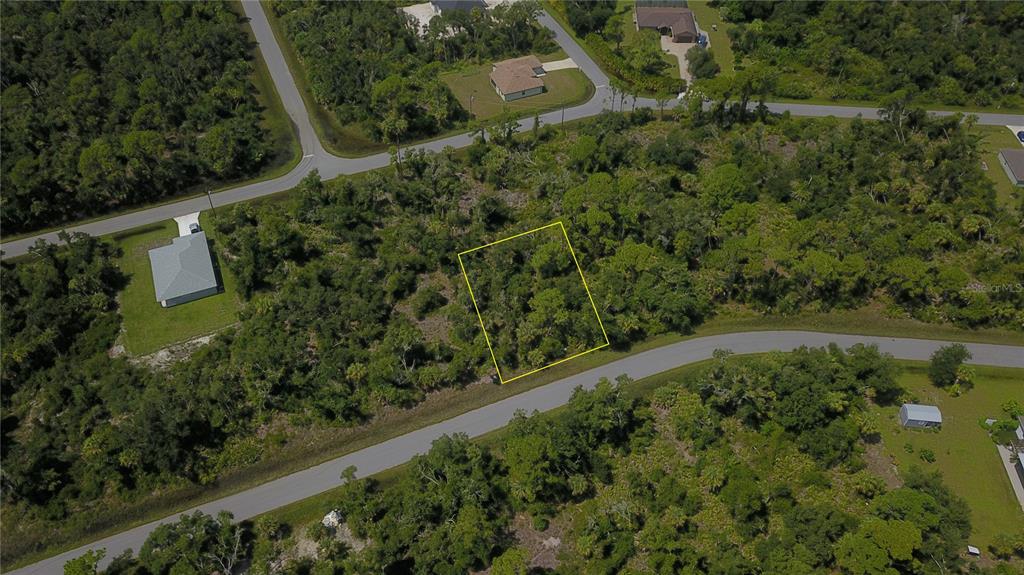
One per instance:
(518, 78)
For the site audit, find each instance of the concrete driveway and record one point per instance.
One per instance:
(679, 51)
(185, 221)
(1016, 129)
(560, 65)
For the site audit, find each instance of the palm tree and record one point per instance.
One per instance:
(393, 125)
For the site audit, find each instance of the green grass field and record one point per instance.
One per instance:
(995, 138)
(563, 88)
(148, 327)
(964, 453)
(707, 16)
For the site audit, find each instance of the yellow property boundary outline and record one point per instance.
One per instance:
(481, 318)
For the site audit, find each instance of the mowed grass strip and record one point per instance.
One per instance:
(993, 139)
(708, 17)
(149, 327)
(472, 87)
(964, 453)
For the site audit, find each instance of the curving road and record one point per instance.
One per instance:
(401, 449)
(398, 450)
(329, 166)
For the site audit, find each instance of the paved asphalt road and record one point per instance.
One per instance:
(392, 452)
(315, 157)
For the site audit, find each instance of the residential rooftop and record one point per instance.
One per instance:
(517, 74)
(182, 268)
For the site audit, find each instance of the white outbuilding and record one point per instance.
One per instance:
(920, 416)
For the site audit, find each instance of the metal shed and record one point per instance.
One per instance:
(915, 415)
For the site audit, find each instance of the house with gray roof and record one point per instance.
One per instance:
(1012, 162)
(915, 415)
(183, 271)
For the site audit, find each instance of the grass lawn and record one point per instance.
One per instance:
(351, 140)
(148, 327)
(964, 453)
(995, 138)
(563, 88)
(707, 16)
(631, 37)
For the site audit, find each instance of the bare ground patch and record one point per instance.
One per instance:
(172, 354)
(543, 546)
(879, 463)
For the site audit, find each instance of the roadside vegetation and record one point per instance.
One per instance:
(108, 106)
(969, 54)
(341, 320)
(374, 82)
(743, 465)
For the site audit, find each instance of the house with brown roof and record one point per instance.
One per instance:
(518, 78)
(674, 21)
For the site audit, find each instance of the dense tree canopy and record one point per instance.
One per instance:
(111, 104)
(355, 301)
(968, 53)
(532, 300)
(731, 469)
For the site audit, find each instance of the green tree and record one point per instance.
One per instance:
(515, 561)
(85, 564)
(944, 368)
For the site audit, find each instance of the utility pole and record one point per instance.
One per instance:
(471, 98)
(563, 114)
(209, 196)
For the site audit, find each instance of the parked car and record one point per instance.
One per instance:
(193, 228)
(1020, 136)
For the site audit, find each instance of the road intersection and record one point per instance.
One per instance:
(398, 450)
(315, 157)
